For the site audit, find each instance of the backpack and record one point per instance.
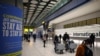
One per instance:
(88, 52)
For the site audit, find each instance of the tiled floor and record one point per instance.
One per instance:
(37, 49)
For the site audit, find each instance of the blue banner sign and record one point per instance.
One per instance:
(10, 30)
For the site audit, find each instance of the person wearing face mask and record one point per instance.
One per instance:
(83, 49)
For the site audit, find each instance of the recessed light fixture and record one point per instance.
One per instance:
(52, 2)
(33, 5)
(42, 3)
(31, 8)
(34, 2)
(40, 6)
(45, 0)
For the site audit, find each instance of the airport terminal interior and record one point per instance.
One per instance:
(49, 27)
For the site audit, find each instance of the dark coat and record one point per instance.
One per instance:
(66, 36)
(92, 38)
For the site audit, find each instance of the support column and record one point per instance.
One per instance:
(11, 27)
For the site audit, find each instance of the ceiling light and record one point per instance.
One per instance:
(33, 5)
(39, 9)
(52, 2)
(34, 2)
(42, 3)
(41, 6)
(30, 12)
(32, 8)
(45, 0)
(50, 5)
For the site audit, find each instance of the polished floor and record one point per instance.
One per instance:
(36, 49)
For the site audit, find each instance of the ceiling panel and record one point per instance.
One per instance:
(37, 10)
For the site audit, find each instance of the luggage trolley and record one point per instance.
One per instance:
(59, 48)
(70, 45)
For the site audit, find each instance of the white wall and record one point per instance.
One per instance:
(85, 17)
(83, 31)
